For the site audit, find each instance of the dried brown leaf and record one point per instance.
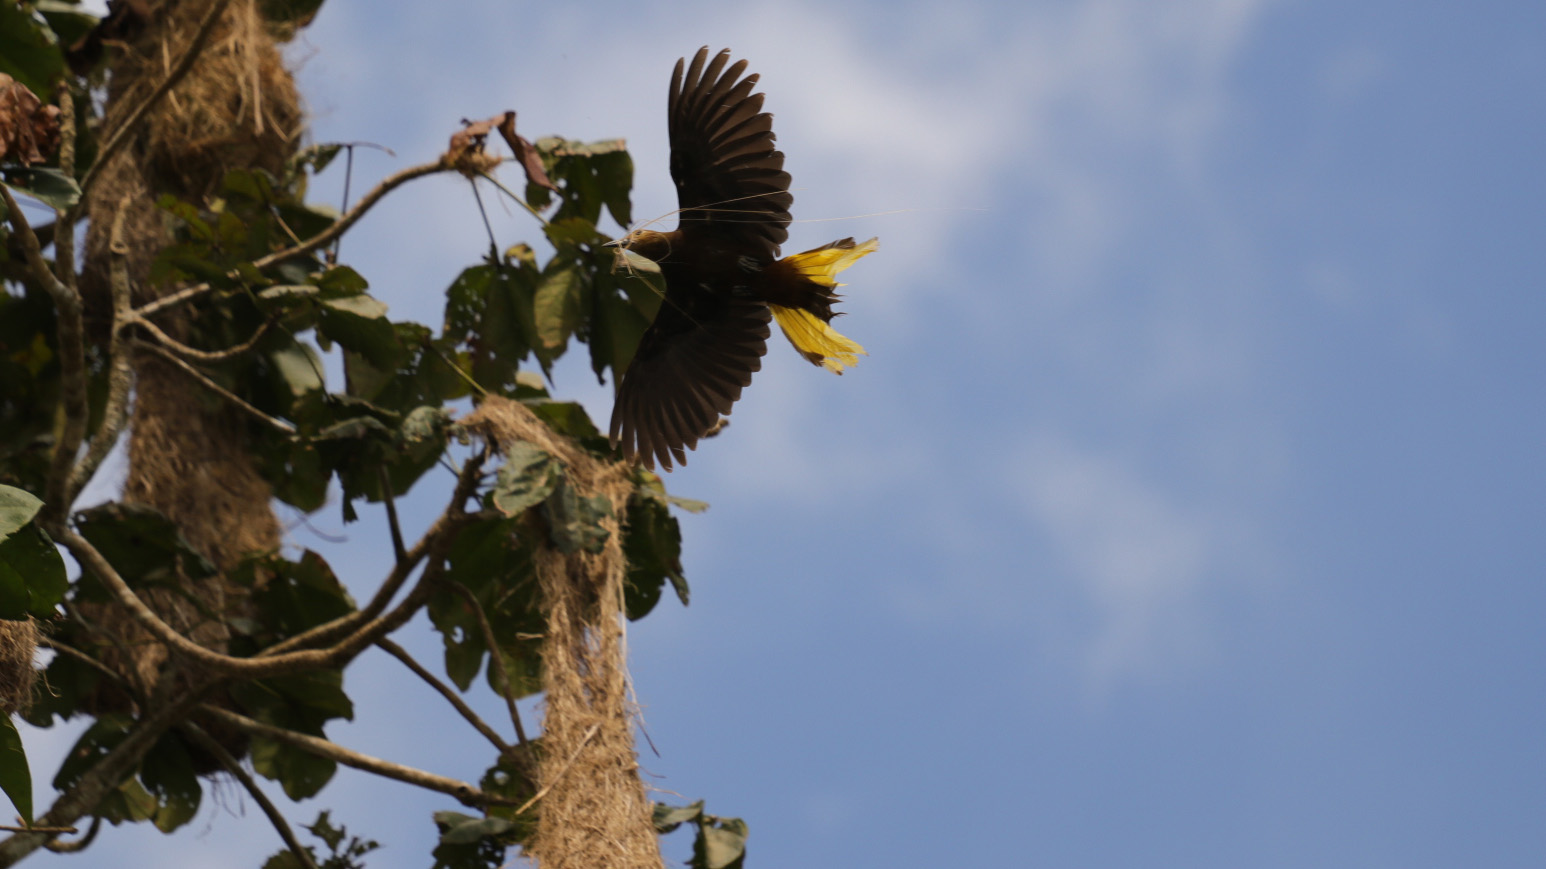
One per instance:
(29, 130)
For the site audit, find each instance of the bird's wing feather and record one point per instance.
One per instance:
(691, 366)
(730, 178)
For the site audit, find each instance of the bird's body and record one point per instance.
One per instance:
(723, 276)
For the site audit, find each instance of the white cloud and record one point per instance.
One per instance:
(1141, 557)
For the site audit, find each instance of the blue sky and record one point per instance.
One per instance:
(1187, 509)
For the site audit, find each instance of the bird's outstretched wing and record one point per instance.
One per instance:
(730, 179)
(689, 369)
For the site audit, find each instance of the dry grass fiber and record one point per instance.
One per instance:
(595, 813)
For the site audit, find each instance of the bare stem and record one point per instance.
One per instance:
(445, 691)
(214, 387)
(234, 767)
(434, 541)
(496, 660)
(398, 551)
(462, 791)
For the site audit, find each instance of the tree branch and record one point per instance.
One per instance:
(100, 780)
(72, 363)
(451, 696)
(434, 541)
(121, 133)
(496, 660)
(234, 767)
(77, 845)
(214, 387)
(462, 791)
(263, 665)
(321, 239)
(398, 552)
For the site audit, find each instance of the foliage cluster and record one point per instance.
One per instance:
(251, 269)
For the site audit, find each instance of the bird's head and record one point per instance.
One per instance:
(641, 250)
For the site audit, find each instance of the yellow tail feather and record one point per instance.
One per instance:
(822, 265)
(818, 341)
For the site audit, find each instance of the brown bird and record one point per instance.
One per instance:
(723, 276)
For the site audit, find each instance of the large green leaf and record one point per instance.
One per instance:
(574, 521)
(167, 774)
(525, 479)
(15, 776)
(29, 51)
(32, 575)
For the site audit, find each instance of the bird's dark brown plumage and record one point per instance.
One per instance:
(712, 329)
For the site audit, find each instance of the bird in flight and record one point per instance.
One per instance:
(723, 276)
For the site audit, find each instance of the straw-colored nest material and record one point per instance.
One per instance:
(595, 812)
(237, 107)
(18, 644)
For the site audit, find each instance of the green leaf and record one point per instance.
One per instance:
(557, 307)
(49, 186)
(15, 776)
(668, 818)
(299, 368)
(574, 522)
(614, 173)
(359, 323)
(17, 507)
(652, 542)
(721, 844)
(142, 544)
(32, 575)
(167, 774)
(526, 479)
(100, 738)
(29, 52)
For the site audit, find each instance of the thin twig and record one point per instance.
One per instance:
(214, 387)
(234, 767)
(80, 844)
(564, 769)
(77, 654)
(465, 793)
(211, 356)
(398, 551)
(57, 830)
(496, 660)
(121, 133)
(510, 193)
(319, 240)
(493, 245)
(445, 691)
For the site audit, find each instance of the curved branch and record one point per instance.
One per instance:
(321, 239)
(496, 661)
(434, 541)
(445, 691)
(182, 349)
(77, 845)
(89, 790)
(462, 791)
(234, 767)
(307, 659)
(214, 387)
